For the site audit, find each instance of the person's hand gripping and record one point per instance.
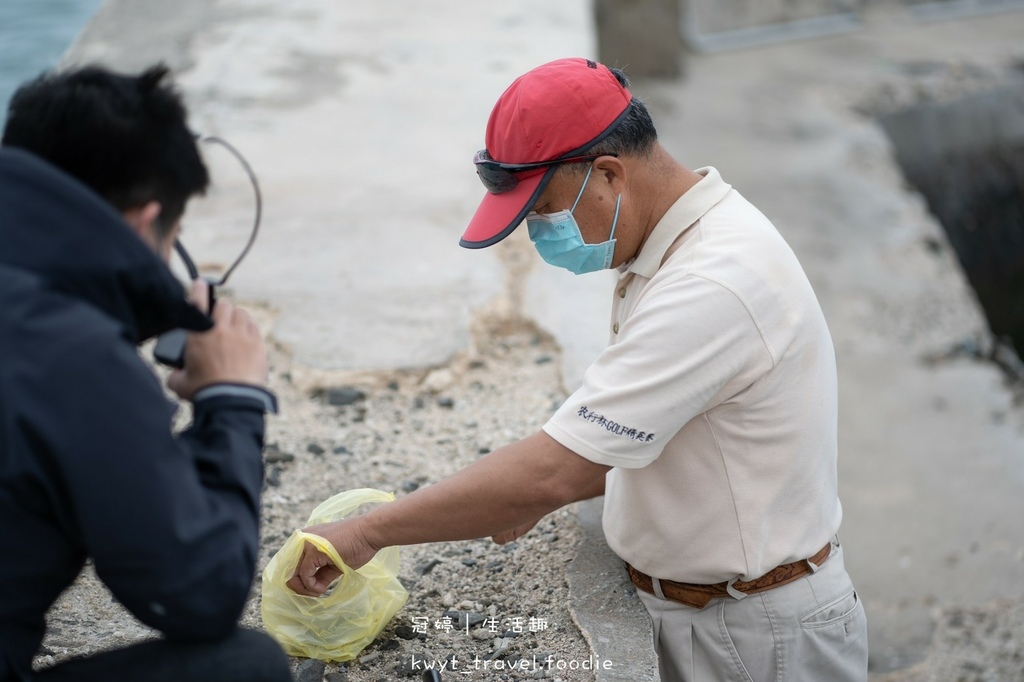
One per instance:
(315, 571)
(231, 352)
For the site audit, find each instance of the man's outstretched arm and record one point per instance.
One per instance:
(510, 487)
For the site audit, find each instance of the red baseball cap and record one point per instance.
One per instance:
(556, 111)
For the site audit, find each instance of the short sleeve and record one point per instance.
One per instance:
(689, 345)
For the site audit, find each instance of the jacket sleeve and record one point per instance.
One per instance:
(172, 523)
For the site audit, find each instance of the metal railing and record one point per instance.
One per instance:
(715, 26)
(835, 18)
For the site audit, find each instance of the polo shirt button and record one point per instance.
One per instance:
(622, 292)
(615, 328)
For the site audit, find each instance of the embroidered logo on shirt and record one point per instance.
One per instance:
(615, 427)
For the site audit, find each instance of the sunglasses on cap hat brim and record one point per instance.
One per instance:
(498, 177)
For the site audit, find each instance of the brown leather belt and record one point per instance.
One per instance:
(698, 596)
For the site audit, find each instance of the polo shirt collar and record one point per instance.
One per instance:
(687, 210)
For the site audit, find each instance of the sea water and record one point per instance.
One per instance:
(33, 36)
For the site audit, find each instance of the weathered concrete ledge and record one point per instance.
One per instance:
(604, 604)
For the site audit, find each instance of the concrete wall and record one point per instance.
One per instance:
(641, 36)
(967, 158)
(927, 133)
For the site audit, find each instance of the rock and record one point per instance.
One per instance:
(390, 645)
(310, 670)
(500, 645)
(465, 619)
(446, 402)
(405, 632)
(423, 569)
(438, 380)
(315, 449)
(274, 476)
(339, 676)
(339, 397)
(272, 454)
(412, 666)
(342, 450)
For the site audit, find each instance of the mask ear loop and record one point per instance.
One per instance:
(580, 195)
(615, 220)
(618, 203)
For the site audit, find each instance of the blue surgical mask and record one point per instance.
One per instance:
(560, 243)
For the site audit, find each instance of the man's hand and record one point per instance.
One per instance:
(231, 352)
(315, 571)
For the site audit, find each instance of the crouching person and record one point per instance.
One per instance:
(95, 171)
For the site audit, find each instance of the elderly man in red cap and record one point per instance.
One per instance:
(709, 422)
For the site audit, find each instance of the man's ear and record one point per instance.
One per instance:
(612, 170)
(142, 221)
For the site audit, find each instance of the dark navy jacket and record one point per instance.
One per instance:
(89, 466)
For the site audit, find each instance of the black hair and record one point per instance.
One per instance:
(124, 136)
(634, 135)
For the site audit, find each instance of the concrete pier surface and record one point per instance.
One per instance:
(361, 120)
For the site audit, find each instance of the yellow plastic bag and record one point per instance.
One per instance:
(340, 624)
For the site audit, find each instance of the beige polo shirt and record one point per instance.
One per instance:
(715, 401)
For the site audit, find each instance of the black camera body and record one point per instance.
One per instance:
(170, 349)
(170, 346)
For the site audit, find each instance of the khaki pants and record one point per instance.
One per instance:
(811, 630)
